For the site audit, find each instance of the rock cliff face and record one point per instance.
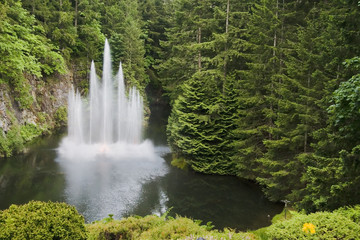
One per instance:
(50, 96)
(48, 111)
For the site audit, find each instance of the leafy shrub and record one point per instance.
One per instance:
(179, 162)
(14, 141)
(4, 146)
(40, 220)
(327, 226)
(175, 229)
(154, 227)
(60, 117)
(352, 213)
(281, 216)
(30, 131)
(22, 89)
(129, 228)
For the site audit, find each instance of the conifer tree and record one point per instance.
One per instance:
(301, 91)
(257, 102)
(332, 173)
(193, 130)
(122, 25)
(88, 26)
(155, 18)
(191, 30)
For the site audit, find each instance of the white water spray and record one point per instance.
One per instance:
(106, 119)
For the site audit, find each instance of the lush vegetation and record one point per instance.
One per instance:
(41, 39)
(320, 225)
(154, 227)
(41, 220)
(266, 90)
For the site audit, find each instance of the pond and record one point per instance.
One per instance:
(132, 186)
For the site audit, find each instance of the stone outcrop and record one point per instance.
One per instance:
(49, 96)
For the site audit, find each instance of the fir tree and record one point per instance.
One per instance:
(193, 130)
(332, 173)
(257, 103)
(300, 91)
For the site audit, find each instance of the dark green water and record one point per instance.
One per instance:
(132, 187)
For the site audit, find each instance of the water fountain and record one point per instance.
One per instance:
(104, 167)
(108, 122)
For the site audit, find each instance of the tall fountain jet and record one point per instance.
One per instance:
(108, 115)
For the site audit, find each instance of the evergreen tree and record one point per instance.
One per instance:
(60, 26)
(188, 45)
(155, 18)
(214, 57)
(300, 92)
(122, 25)
(193, 129)
(332, 173)
(88, 25)
(257, 102)
(74, 26)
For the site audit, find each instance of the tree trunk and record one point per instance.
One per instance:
(274, 54)
(33, 7)
(199, 53)
(275, 36)
(76, 14)
(226, 46)
(227, 16)
(307, 112)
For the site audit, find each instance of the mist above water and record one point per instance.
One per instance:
(104, 167)
(104, 158)
(108, 122)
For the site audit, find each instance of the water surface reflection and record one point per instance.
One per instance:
(131, 187)
(105, 186)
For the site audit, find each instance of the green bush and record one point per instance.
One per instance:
(22, 89)
(326, 225)
(175, 229)
(14, 142)
(29, 132)
(154, 227)
(41, 220)
(4, 146)
(128, 228)
(60, 117)
(350, 212)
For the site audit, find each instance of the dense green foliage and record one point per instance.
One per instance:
(326, 225)
(40, 220)
(268, 90)
(77, 31)
(24, 49)
(194, 129)
(154, 227)
(41, 39)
